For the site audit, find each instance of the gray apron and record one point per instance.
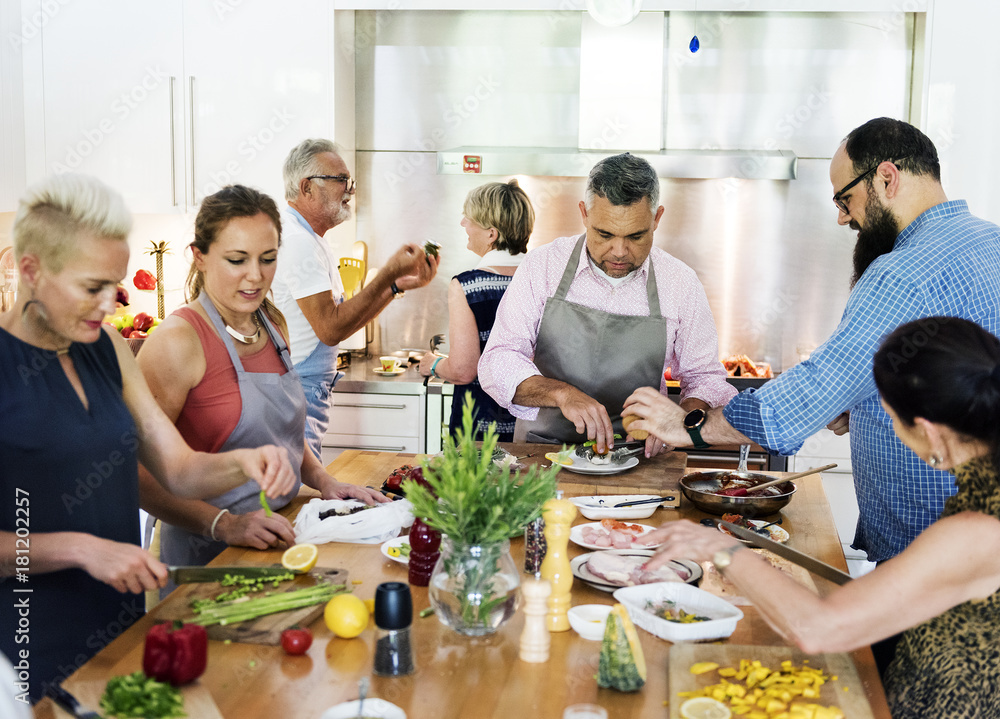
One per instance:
(604, 355)
(273, 412)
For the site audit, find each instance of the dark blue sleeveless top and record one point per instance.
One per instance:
(64, 468)
(483, 291)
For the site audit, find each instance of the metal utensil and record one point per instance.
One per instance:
(803, 560)
(744, 491)
(362, 693)
(744, 455)
(69, 702)
(191, 575)
(634, 502)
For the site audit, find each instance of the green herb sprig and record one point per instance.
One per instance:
(471, 500)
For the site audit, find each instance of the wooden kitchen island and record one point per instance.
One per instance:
(456, 677)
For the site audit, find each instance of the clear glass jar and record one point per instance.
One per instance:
(475, 588)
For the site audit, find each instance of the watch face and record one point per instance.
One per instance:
(695, 418)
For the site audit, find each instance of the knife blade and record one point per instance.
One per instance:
(803, 560)
(192, 575)
(69, 702)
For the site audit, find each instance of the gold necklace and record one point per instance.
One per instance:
(246, 339)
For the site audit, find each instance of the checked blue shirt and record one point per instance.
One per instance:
(945, 262)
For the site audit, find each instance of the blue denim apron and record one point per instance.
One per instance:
(273, 412)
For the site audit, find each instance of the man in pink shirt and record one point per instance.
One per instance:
(588, 319)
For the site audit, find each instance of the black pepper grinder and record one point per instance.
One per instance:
(393, 617)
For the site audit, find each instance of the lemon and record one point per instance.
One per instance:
(300, 558)
(346, 616)
(704, 708)
(370, 603)
(559, 458)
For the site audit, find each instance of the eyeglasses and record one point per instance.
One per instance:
(346, 179)
(841, 204)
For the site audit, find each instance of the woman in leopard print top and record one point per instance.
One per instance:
(939, 378)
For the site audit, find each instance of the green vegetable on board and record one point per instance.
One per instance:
(264, 504)
(136, 695)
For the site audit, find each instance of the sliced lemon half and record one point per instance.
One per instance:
(704, 708)
(300, 558)
(559, 458)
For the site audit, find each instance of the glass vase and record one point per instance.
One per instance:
(475, 588)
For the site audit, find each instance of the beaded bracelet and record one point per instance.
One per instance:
(215, 521)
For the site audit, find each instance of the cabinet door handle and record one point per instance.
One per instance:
(372, 406)
(365, 446)
(173, 136)
(191, 134)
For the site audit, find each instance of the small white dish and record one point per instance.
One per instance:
(597, 506)
(589, 620)
(585, 466)
(398, 541)
(723, 616)
(388, 373)
(576, 536)
(373, 707)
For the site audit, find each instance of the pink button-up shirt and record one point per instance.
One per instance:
(692, 340)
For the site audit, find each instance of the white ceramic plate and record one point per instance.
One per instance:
(777, 534)
(599, 506)
(576, 536)
(392, 373)
(585, 466)
(689, 571)
(373, 707)
(395, 543)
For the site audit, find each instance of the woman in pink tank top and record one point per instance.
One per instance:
(220, 369)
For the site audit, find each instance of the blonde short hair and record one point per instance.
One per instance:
(54, 212)
(506, 207)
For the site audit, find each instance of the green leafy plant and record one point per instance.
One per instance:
(471, 500)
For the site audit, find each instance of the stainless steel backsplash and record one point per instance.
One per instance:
(773, 260)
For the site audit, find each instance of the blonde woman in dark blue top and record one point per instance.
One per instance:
(498, 218)
(76, 417)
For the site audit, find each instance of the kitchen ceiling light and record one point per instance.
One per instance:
(614, 13)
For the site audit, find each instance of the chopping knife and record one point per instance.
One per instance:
(803, 560)
(191, 575)
(68, 702)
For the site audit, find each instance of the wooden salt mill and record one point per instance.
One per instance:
(559, 514)
(535, 639)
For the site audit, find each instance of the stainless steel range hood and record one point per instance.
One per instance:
(571, 162)
(621, 108)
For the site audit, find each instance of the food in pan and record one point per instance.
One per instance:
(729, 483)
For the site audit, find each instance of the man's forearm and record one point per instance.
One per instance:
(540, 391)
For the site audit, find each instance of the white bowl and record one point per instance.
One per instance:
(597, 507)
(691, 599)
(589, 620)
(373, 707)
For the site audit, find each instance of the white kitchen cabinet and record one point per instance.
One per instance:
(169, 101)
(378, 422)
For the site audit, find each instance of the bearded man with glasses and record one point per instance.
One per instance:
(917, 255)
(307, 287)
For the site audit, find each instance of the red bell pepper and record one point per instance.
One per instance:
(176, 653)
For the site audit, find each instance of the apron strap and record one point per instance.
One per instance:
(651, 293)
(277, 339)
(570, 272)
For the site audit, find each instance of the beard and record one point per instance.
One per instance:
(876, 238)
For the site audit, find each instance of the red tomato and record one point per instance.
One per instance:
(296, 641)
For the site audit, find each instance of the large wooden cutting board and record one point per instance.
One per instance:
(659, 475)
(198, 702)
(262, 630)
(847, 692)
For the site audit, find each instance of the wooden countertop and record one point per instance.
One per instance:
(456, 677)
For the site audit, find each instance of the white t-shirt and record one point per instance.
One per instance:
(306, 266)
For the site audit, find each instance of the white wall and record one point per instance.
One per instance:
(962, 100)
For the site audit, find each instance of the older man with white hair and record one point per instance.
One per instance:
(307, 286)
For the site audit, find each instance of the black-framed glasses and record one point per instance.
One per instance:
(346, 179)
(841, 205)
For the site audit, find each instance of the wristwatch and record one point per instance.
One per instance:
(724, 557)
(693, 422)
(396, 292)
